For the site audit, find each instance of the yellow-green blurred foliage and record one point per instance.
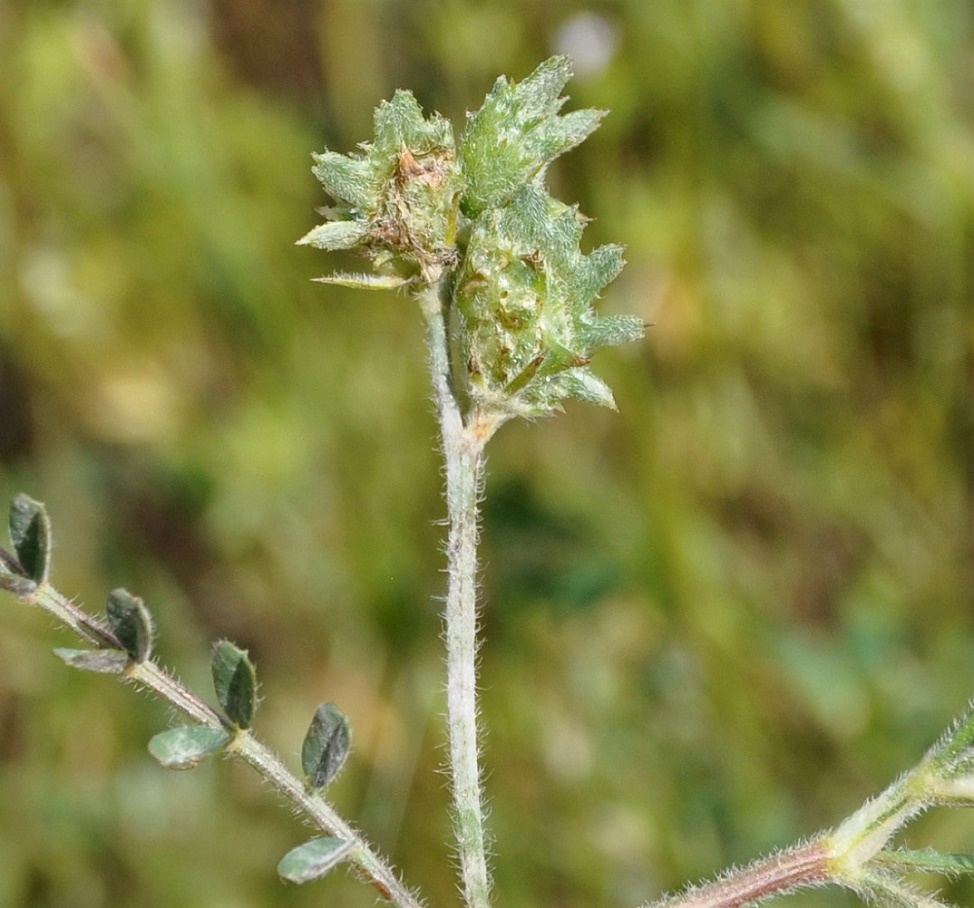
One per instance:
(715, 621)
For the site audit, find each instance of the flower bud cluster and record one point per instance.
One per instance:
(478, 216)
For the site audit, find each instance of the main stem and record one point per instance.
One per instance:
(463, 453)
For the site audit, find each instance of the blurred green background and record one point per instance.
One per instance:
(715, 621)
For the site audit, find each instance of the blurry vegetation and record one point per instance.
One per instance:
(714, 622)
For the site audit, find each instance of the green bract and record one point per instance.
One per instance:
(517, 134)
(525, 325)
(397, 200)
(516, 290)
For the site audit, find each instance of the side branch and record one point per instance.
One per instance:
(800, 867)
(151, 676)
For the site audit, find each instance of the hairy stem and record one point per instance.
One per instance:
(373, 868)
(463, 453)
(800, 867)
(152, 677)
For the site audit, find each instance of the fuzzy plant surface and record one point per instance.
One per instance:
(473, 219)
(467, 228)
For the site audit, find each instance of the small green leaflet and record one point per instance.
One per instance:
(314, 859)
(325, 745)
